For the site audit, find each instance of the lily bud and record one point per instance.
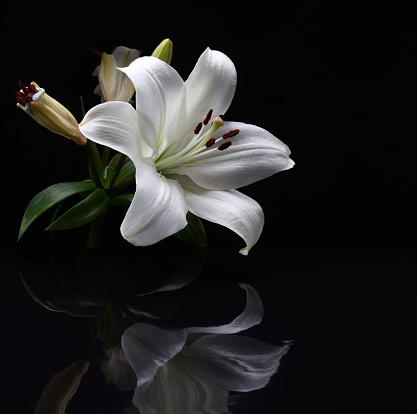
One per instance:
(114, 85)
(164, 51)
(49, 113)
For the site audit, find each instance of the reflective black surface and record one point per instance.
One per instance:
(349, 313)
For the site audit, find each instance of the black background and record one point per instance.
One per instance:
(337, 82)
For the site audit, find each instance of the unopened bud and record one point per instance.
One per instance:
(49, 113)
(114, 84)
(164, 51)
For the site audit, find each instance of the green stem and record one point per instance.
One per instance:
(96, 230)
(105, 157)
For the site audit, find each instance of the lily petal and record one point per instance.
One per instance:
(211, 85)
(251, 316)
(148, 347)
(158, 208)
(255, 154)
(229, 208)
(115, 125)
(160, 100)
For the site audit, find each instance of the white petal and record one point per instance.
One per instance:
(158, 208)
(115, 125)
(251, 316)
(255, 154)
(229, 208)
(160, 101)
(211, 85)
(124, 56)
(148, 347)
(236, 363)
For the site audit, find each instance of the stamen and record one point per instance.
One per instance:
(231, 133)
(225, 145)
(207, 118)
(210, 142)
(198, 128)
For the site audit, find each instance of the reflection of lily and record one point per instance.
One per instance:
(191, 370)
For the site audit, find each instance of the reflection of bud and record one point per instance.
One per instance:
(49, 113)
(164, 51)
(118, 370)
(114, 84)
(61, 388)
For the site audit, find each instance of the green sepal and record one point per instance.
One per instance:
(48, 198)
(194, 233)
(84, 212)
(122, 200)
(127, 170)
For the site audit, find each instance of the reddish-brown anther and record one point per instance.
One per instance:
(210, 142)
(231, 133)
(198, 128)
(208, 117)
(225, 145)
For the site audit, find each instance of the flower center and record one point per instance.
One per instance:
(199, 146)
(25, 95)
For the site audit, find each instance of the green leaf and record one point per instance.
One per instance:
(48, 198)
(122, 200)
(194, 233)
(85, 211)
(108, 175)
(127, 170)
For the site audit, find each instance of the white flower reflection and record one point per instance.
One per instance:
(192, 370)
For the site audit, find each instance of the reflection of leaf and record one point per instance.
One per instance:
(79, 306)
(36, 298)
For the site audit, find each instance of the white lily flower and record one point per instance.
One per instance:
(182, 162)
(113, 84)
(177, 373)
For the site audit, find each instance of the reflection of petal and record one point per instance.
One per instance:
(236, 362)
(61, 388)
(175, 391)
(251, 316)
(148, 347)
(196, 378)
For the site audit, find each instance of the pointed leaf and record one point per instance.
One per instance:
(48, 198)
(194, 233)
(87, 210)
(122, 200)
(127, 170)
